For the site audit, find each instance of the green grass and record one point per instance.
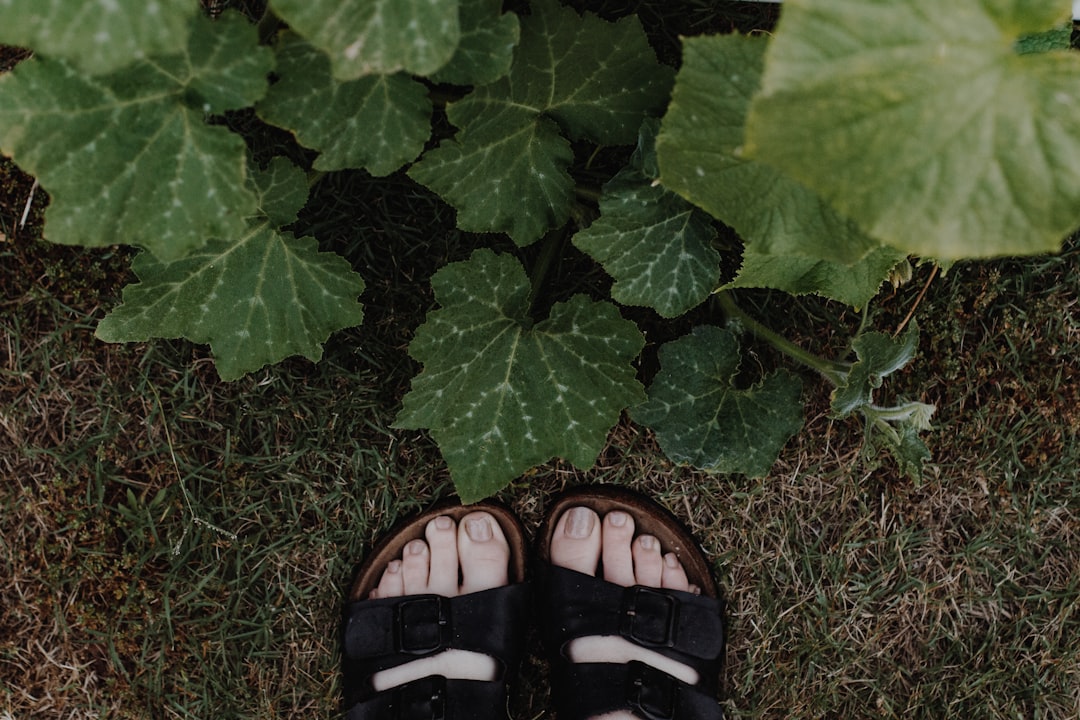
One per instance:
(179, 547)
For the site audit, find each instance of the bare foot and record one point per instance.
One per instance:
(587, 544)
(452, 560)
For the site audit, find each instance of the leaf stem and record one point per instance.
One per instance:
(916, 412)
(267, 26)
(834, 372)
(549, 250)
(586, 192)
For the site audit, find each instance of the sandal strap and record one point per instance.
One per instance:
(588, 690)
(686, 627)
(387, 632)
(381, 631)
(433, 698)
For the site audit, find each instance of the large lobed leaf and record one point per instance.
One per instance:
(700, 157)
(926, 122)
(506, 170)
(701, 418)
(97, 36)
(256, 300)
(656, 246)
(378, 122)
(128, 157)
(598, 79)
(794, 240)
(377, 37)
(488, 38)
(501, 395)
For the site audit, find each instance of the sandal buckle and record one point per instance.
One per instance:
(648, 617)
(651, 693)
(422, 698)
(422, 624)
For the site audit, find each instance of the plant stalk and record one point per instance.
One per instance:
(834, 372)
(548, 252)
(586, 192)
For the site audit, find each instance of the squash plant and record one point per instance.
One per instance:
(861, 133)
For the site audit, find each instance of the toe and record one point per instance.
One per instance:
(673, 576)
(390, 584)
(442, 542)
(415, 566)
(484, 553)
(575, 543)
(617, 536)
(648, 563)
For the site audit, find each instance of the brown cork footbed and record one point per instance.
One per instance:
(394, 541)
(650, 518)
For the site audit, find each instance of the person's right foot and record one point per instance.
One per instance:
(452, 560)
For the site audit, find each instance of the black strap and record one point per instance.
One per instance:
(434, 698)
(683, 626)
(587, 690)
(384, 633)
(488, 622)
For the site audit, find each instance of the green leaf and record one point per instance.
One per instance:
(596, 78)
(377, 37)
(701, 418)
(98, 37)
(879, 355)
(282, 189)
(224, 68)
(487, 45)
(256, 300)
(500, 394)
(379, 122)
(506, 170)
(128, 157)
(700, 155)
(853, 285)
(919, 120)
(656, 246)
(907, 448)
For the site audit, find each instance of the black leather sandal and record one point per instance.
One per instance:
(387, 632)
(685, 627)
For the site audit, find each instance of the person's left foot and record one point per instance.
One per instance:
(585, 543)
(452, 560)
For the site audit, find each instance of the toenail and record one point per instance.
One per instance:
(618, 519)
(443, 522)
(648, 542)
(478, 529)
(393, 566)
(417, 547)
(579, 522)
(671, 560)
